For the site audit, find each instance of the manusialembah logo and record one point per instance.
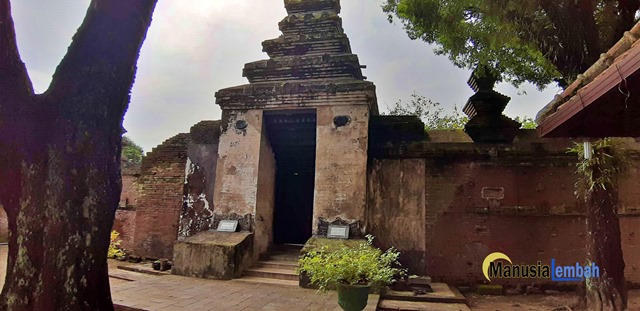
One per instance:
(495, 266)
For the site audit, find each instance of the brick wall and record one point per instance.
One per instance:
(539, 218)
(158, 209)
(130, 191)
(125, 224)
(517, 199)
(125, 221)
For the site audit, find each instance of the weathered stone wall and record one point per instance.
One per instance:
(238, 166)
(215, 255)
(202, 156)
(4, 226)
(517, 199)
(341, 166)
(265, 199)
(245, 185)
(396, 208)
(161, 183)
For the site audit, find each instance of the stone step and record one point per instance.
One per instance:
(400, 305)
(443, 297)
(290, 257)
(275, 264)
(144, 268)
(442, 293)
(280, 274)
(287, 248)
(258, 280)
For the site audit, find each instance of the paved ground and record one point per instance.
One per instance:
(169, 292)
(179, 293)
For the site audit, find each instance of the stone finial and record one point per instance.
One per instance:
(486, 122)
(299, 6)
(483, 78)
(313, 45)
(312, 56)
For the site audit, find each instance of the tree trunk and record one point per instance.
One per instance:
(60, 159)
(608, 291)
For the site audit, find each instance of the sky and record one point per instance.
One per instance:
(196, 47)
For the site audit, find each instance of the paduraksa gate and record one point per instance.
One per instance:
(302, 147)
(292, 155)
(292, 152)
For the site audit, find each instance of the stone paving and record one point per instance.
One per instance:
(170, 292)
(181, 293)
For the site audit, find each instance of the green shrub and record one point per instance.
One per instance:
(115, 251)
(363, 264)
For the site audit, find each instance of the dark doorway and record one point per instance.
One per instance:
(292, 134)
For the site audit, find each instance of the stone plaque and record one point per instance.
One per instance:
(227, 226)
(493, 193)
(338, 232)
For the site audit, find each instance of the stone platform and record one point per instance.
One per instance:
(443, 298)
(214, 255)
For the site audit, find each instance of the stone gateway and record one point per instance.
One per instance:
(302, 146)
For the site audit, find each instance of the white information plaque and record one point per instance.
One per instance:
(338, 232)
(227, 226)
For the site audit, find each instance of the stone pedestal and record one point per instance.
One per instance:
(213, 255)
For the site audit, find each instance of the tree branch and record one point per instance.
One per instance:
(590, 32)
(15, 93)
(562, 44)
(99, 67)
(14, 79)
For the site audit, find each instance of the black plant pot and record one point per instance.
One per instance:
(353, 297)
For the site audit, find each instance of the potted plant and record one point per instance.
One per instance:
(353, 271)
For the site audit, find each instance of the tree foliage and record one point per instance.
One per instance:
(435, 118)
(430, 112)
(528, 123)
(609, 159)
(537, 41)
(132, 153)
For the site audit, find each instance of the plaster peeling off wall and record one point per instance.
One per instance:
(238, 160)
(197, 213)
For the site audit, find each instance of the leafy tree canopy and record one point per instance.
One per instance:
(527, 122)
(537, 40)
(132, 153)
(430, 112)
(434, 116)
